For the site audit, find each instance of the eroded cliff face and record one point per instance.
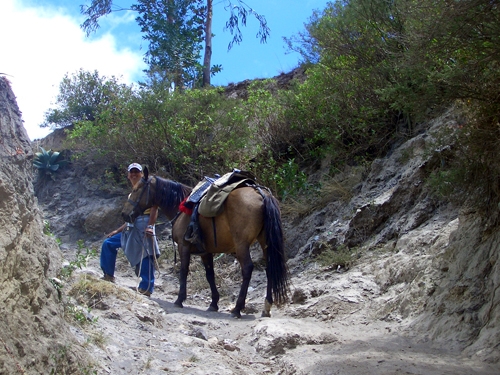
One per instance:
(34, 336)
(437, 265)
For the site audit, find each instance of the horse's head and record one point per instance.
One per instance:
(154, 191)
(141, 198)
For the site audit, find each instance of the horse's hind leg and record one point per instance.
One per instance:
(208, 262)
(185, 260)
(268, 302)
(246, 272)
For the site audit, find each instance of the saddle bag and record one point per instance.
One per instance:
(212, 204)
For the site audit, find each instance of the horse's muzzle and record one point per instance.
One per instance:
(130, 217)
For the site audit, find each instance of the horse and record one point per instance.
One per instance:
(249, 214)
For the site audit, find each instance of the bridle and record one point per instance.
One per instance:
(135, 213)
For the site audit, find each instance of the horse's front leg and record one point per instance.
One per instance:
(246, 272)
(208, 262)
(185, 256)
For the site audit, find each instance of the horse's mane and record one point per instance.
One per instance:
(170, 194)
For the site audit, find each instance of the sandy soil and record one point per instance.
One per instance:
(330, 330)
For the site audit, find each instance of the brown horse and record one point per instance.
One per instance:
(250, 214)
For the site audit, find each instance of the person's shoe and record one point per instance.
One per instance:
(146, 293)
(111, 279)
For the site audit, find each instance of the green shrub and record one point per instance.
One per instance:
(337, 257)
(48, 162)
(83, 254)
(186, 135)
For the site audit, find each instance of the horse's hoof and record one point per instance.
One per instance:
(212, 308)
(178, 304)
(236, 314)
(266, 314)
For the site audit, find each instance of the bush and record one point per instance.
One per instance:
(48, 162)
(181, 135)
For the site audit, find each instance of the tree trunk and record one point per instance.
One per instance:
(208, 45)
(177, 73)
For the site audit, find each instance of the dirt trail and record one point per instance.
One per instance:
(332, 331)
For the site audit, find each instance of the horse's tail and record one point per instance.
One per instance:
(277, 271)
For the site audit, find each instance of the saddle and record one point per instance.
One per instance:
(207, 199)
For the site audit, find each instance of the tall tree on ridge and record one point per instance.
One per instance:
(175, 40)
(238, 14)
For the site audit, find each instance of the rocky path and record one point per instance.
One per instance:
(329, 329)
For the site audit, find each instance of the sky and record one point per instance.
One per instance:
(42, 41)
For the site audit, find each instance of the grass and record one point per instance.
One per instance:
(97, 338)
(330, 189)
(89, 291)
(227, 274)
(341, 256)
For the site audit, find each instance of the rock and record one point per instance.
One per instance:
(33, 333)
(299, 296)
(276, 335)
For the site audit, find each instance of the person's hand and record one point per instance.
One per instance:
(149, 231)
(111, 234)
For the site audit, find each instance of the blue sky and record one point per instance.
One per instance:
(42, 41)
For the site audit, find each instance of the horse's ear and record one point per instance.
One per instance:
(145, 171)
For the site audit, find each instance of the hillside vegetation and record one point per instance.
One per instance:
(375, 72)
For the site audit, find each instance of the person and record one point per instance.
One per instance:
(137, 240)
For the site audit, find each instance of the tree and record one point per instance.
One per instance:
(82, 96)
(174, 41)
(159, 15)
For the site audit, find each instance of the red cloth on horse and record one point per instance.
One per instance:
(184, 208)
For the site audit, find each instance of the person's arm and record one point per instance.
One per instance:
(153, 215)
(111, 234)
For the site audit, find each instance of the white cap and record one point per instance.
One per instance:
(134, 165)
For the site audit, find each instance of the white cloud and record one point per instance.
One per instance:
(40, 45)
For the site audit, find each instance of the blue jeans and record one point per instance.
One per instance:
(145, 269)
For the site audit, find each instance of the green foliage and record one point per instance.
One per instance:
(83, 96)
(47, 231)
(470, 174)
(265, 110)
(238, 13)
(174, 30)
(337, 257)
(337, 109)
(79, 314)
(46, 228)
(48, 162)
(290, 181)
(183, 134)
(443, 182)
(83, 254)
(58, 286)
(381, 68)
